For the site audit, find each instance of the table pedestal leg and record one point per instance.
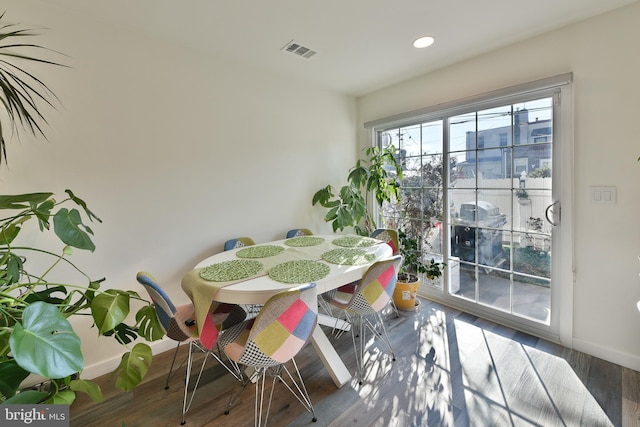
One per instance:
(334, 322)
(330, 358)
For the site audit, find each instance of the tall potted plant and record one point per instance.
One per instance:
(377, 177)
(36, 336)
(404, 295)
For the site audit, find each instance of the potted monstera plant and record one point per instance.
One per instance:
(36, 336)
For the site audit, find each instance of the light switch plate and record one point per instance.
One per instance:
(603, 195)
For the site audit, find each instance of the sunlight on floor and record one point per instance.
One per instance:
(476, 375)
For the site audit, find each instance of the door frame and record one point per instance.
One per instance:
(560, 328)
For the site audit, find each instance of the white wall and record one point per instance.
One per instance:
(176, 151)
(602, 54)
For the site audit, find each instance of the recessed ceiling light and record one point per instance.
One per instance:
(423, 42)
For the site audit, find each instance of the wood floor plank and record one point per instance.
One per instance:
(451, 369)
(605, 384)
(630, 413)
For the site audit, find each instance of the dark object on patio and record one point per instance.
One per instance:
(478, 225)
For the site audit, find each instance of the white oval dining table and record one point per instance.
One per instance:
(259, 288)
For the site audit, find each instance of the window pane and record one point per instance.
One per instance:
(462, 171)
(432, 171)
(499, 185)
(462, 130)
(493, 164)
(432, 137)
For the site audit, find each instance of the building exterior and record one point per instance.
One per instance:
(507, 151)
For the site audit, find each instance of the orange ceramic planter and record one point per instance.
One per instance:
(404, 295)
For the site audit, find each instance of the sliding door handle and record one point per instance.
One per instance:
(550, 210)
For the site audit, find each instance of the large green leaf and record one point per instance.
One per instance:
(45, 342)
(26, 397)
(8, 233)
(43, 212)
(82, 203)
(133, 367)
(4, 342)
(88, 387)
(123, 332)
(323, 196)
(68, 226)
(64, 397)
(358, 175)
(150, 327)
(45, 295)
(11, 375)
(344, 218)
(13, 266)
(109, 309)
(86, 297)
(22, 201)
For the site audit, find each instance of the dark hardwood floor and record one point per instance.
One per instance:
(451, 369)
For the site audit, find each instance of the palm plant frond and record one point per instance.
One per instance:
(22, 95)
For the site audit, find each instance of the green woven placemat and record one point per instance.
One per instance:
(262, 251)
(231, 270)
(304, 241)
(355, 241)
(300, 271)
(348, 256)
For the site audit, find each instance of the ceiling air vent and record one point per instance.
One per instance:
(298, 49)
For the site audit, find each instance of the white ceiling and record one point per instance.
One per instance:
(362, 45)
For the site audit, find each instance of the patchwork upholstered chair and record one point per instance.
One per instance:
(178, 323)
(269, 341)
(362, 302)
(238, 243)
(297, 232)
(390, 236)
(322, 299)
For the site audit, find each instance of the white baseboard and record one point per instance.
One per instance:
(627, 360)
(102, 368)
(107, 366)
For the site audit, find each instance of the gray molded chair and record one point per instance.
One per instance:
(238, 243)
(298, 232)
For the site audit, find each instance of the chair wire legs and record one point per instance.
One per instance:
(173, 361)
(325, 305)
(300, 391)
(361, 324)
(280, 374)
(186, 405)
(395, 309)
(188, 399)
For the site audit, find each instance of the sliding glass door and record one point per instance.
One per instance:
(478, 194)
(499, 189)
